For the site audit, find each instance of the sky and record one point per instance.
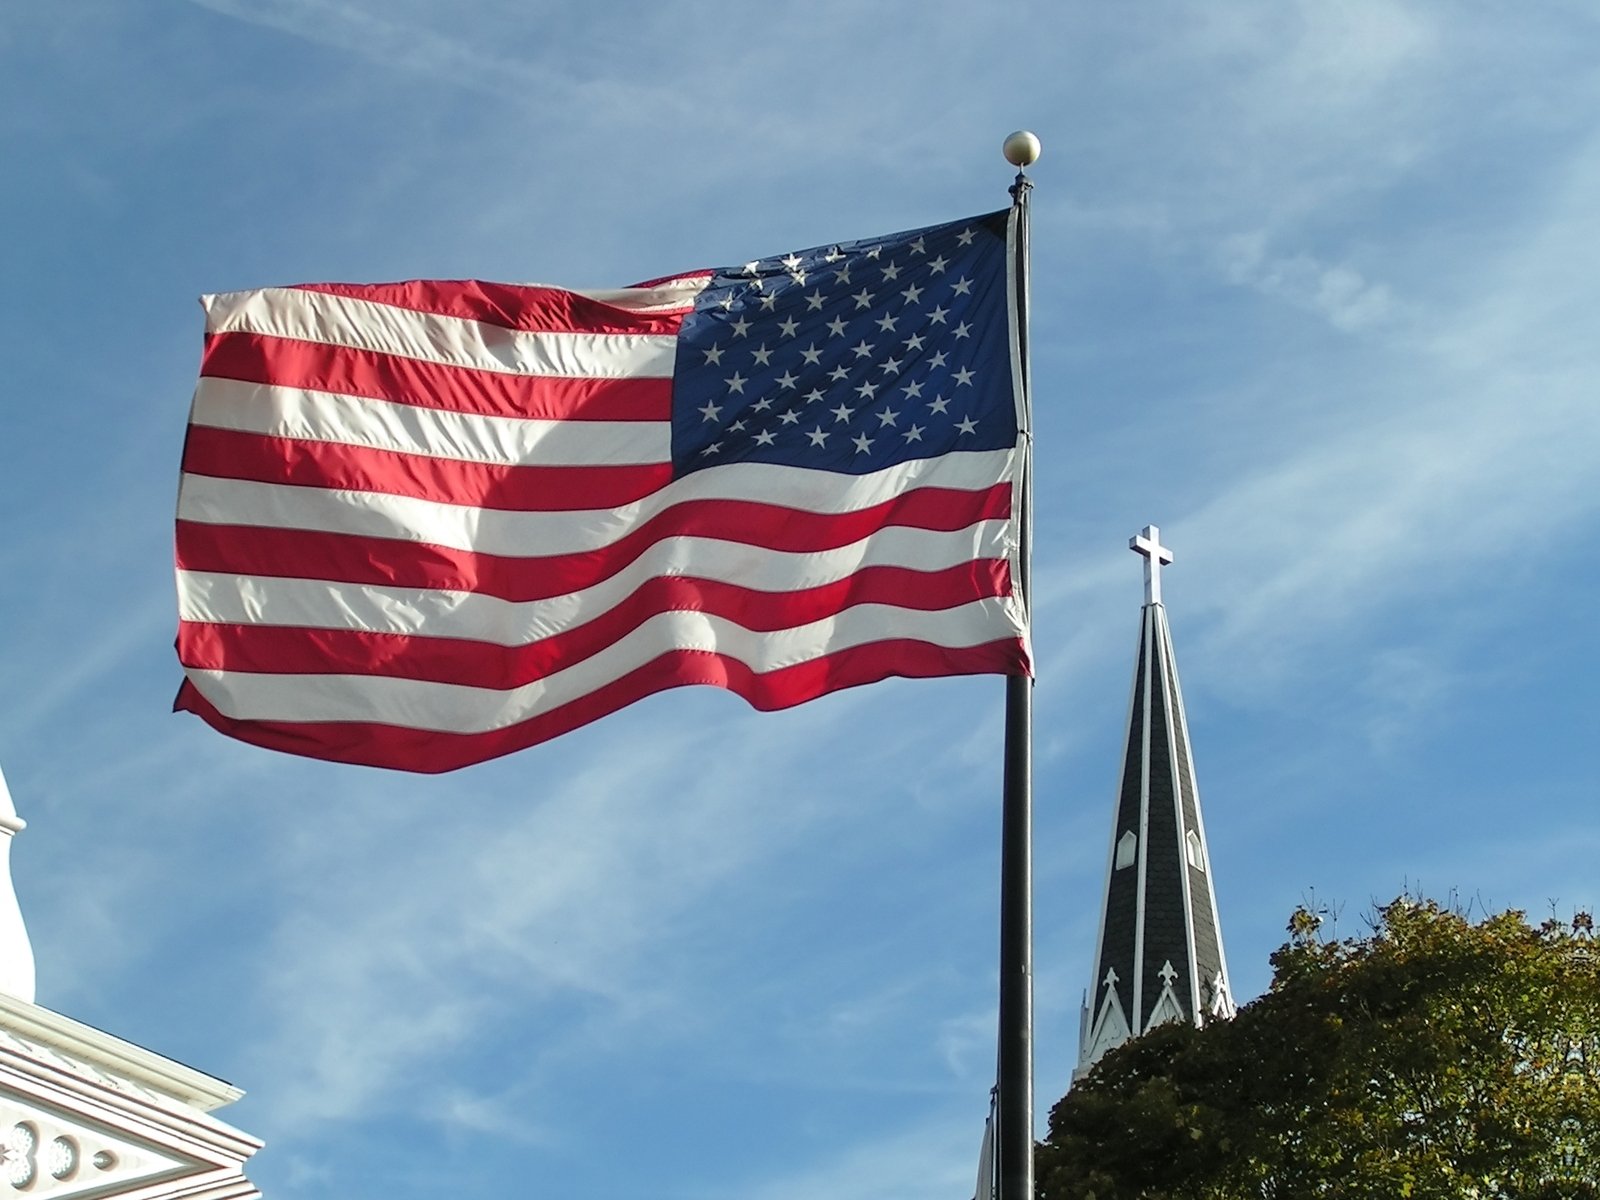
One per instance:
(1314, 291)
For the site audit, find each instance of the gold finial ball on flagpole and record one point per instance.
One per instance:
(1022, 149)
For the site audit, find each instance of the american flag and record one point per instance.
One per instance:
(424, 524)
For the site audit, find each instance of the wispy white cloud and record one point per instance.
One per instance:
(502, 1118)
(622, 68)
(1330, 539)
(62, 681)
(396, 34)
(1403, 470)
(1403, 686)
(967, 1043)
(1337, 292)
(533, 908)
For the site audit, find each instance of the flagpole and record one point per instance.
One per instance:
(1015, 1060)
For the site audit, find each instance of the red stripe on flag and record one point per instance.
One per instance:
(230, 454)
(431, 752)
(347, 371)
(286, 650)
(525, 307)
(347, 558)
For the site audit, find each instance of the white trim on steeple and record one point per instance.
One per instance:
(1110, 1028)
(1112, 866)
(1205, 847)
(1177, 730)
(1221, 996)
(1148, 643)
(1166, 1008)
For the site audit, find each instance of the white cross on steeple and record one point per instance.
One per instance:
(1156, 556)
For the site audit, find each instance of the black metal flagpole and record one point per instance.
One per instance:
(1014, 1132)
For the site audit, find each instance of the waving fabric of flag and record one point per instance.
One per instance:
(424, 524)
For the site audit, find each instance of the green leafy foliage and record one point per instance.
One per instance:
(1436, 1058)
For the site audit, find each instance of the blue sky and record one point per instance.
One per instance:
(1315, 290)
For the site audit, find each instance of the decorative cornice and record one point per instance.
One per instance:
(72, 1041)
(85, 1115)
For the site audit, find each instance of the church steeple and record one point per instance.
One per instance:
(1159, 956)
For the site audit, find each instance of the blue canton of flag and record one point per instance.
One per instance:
(851, 357)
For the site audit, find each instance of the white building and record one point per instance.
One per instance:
(84, 1114)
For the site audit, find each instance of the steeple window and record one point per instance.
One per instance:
(1127, 849)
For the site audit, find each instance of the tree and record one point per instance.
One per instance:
(1435, 1058)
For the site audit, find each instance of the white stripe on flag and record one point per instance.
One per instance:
(313, 316)
(358, 421)
(457, 708)
(670, 295)
(214, 501)
(318, 604)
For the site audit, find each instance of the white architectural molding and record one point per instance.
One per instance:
(1221, 997)
(1110, 1028)
(97, 1055)
(16, 951)
(1166, 1007)
(86, 1114)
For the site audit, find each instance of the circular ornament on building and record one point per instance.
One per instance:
(18, 1157)
(61, 1159)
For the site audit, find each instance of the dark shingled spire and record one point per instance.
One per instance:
(1160, 954)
